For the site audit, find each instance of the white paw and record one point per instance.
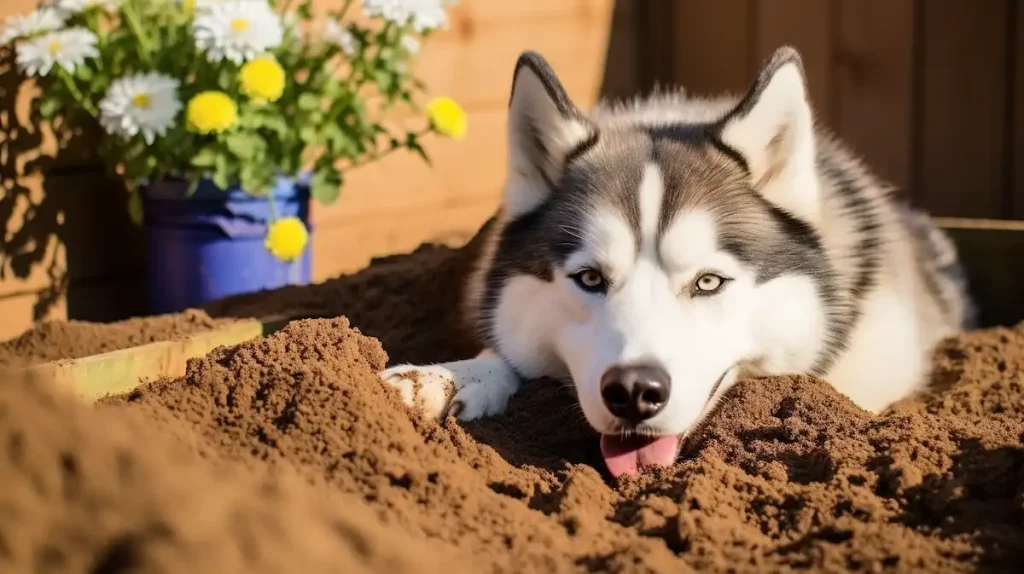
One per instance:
(467, 390)
(429, 388)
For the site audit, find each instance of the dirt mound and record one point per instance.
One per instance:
(87, 491)
(787, 474)
(54, 340)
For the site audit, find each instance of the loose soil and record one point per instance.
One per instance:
(54, 340)
(198, 474)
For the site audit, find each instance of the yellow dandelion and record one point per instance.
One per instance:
(211, 112)
(287, 238)
(262, 79)
(447, 117)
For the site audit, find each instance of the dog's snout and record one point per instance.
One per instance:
(635, 392)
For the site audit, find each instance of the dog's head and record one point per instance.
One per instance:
(647, 252)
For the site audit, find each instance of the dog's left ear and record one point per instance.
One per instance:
(544, 127)
(772, 128)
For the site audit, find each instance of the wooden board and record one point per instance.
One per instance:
(963, 119)
(806, 26)
(873, 74)
(992, 252)
(1017, 109)
(713, 47)
(116, 372)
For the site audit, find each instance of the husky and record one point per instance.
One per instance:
(651, 253)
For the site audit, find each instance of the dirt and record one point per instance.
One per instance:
(786, 475)
(54, 340)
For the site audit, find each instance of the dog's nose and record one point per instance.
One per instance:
(635, 392)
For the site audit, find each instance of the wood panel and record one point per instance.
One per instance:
(713, 45)
(350, 246)
(873, 83)
(963, 117)
(474, 62)
(806, 26)
(1017, 107)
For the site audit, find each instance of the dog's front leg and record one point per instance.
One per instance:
(467, 389)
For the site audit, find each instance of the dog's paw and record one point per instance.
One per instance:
(477, 399)
(428, 388)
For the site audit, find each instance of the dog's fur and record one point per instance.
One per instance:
(824, 272)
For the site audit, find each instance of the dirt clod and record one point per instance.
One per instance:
(786, 475)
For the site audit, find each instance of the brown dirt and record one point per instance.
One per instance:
(786, 475)
(55, 340)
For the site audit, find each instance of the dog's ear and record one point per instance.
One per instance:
(544, 127)
(772, 128)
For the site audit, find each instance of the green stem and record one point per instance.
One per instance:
(80, 98)
(369, 158)
(145, 48)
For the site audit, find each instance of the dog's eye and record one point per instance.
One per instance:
(590, 281)
(708, 283)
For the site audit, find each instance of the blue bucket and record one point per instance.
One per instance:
(211, 245)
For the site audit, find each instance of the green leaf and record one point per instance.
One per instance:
(49, 107)
(308, 102)
(243, 145)
(325, 187)
(413, 142)
(205, 157)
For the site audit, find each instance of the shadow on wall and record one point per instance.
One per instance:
(66, 230)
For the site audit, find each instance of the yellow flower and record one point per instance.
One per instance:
(262, 79)
(189, 6)
(287, 238)
(447, 117)
(211, 112)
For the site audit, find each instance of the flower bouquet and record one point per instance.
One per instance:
(225, 117)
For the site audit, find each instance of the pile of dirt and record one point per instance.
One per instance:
(53, 340)
(105, 492)
(787, 474)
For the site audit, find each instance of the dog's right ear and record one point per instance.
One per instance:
(544, 127)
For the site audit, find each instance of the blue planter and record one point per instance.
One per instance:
(211, 245)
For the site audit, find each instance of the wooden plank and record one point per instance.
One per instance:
(713, 46)
(806, 26)
(991, 252)
(963, 120)
(349, 247)
(622, 71)
(20, 311)
(469, 170)
(474, 63)
(1017, 189)
(116, 372)
(873, 83)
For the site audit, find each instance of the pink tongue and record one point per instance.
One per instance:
(626, 456)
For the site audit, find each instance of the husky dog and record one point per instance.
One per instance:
(653, 253)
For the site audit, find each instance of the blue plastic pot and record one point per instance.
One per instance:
(211, 245)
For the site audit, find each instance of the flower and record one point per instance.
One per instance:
(287, 238)
(65, 49)
(211, 112)
(76, 6)
(45, 19)
(424, 14)
(410, 44)
(262, 79)
(237, 31)
(200, 5)
(447, 117)
(146, 103)
(342, 37)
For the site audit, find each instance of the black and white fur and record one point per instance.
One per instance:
(726, 238)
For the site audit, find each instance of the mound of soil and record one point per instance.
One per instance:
(55, 340)
(787, 474)
(106, 492)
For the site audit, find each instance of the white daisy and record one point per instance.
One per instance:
(200, 5)
(45, 19)
(76, 6)
(237, 31)
(411, 44)
(66, 49)
(423, 14)
(342, 37)
(141, 103)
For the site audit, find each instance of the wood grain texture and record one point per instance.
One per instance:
(806, 25)
(713, 45)
(963, 118)
(873, 76)
(1017, 105)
